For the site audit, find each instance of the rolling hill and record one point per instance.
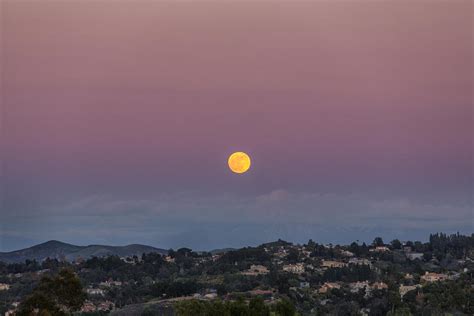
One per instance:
(57, 249)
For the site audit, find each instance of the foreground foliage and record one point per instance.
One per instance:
(256, 307)
(54, 296)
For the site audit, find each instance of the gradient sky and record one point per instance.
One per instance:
(118, 118)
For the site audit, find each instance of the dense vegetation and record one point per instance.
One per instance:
(57, 296)
(191, 283)
(256, 307)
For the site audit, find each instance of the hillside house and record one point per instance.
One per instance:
(110, 283)
(328, 286)
(380, 249)
(404, 289)
(256, 270)
(347, 253)
(95, 291)
(333, 264)
(297, 268)
(433, 277)
(4, 287)
(379, 286)
(359, 285)
(360, 261)
(88, 307)
(263, 293)
(414, 256)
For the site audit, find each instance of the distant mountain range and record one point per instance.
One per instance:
(60, 250)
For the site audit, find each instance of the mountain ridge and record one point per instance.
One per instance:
(56, 249)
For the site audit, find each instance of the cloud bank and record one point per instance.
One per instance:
(204, 222)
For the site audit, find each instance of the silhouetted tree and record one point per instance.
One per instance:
(378, 241)
(55, 296)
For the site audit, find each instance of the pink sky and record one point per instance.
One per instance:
(146, 97)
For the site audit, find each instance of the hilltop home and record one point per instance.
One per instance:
(379, 249)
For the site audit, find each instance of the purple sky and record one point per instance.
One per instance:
(118, 119)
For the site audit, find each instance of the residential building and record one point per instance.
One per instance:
(404, 289)
(10, 312)
(357, 286)
(210, 296)
(256, 270)
(347, 253)
(4, 287)
(333, 264)
(264, 293)
(105, 306)
(379, 286)
(88, 307)
(297, 268)
(94, 291)
(380, 249)
(110, 283)
(328, 286)
(414, 255)
(433, 277)
(408, 276)
(360, 261)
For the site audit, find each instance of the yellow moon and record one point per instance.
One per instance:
(239, 162)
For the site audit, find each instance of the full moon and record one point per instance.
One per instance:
(239, 162)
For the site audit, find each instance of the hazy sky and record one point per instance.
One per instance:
(118, 118)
